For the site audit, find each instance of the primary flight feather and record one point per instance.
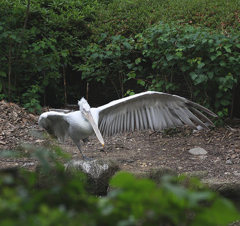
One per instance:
(146, 110)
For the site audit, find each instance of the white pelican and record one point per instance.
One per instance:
(146, 110)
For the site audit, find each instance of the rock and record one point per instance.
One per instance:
(236, 173)
(228, 189)
(98, 173)
(27, 164)
(156, 174)
(199, 174)
(229, 162)
(197, 151)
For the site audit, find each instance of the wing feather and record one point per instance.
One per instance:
(150, 110)
(136, 120)
(149, 117)
(181, 113)
(55, 123)
(201, 115)
(144, 118)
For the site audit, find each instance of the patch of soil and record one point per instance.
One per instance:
(142, 151)
(135, 152)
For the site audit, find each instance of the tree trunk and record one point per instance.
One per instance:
(87, 91)
(65, 86)
(9, 69)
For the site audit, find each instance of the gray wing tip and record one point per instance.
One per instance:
(200, 107)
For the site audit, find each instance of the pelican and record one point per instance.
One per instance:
(147, 110)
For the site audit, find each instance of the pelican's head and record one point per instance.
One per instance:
(85, 109)
(84, 106)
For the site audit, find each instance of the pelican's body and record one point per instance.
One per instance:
(147, 110)
(62, 125)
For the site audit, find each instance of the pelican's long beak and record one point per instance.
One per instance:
(89, 117)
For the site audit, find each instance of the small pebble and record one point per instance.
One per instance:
(28, 164)
(236, 173)
(227, 173)
(229, 162)
(197, 151)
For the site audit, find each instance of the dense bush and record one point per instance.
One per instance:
(126, 18)
(203, 63)
(51, 49)
(54, 197)
(131, 17)
(108, 62)
(37, 42)
(218, 14)
(199, 63)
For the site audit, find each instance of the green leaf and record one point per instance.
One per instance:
(211, 215)
(213, 57)
(200, 65)
(219, 53)
(141, 82)
(64, 53)
(169, 57)
(210, 74)
(3, 74)
(225, 102)
(179, 54)
(131, 75)
(138, 60)
(222, 63)
(193, 75)
(127, 45)
(228, 50)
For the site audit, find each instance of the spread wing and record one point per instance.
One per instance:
(55, 123)
(150, 110)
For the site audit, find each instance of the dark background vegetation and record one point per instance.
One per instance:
(53, 52)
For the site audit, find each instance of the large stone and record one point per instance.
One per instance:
(227, 188)
(197, 151)
(98, 173)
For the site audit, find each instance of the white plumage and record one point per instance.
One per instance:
(147, 110)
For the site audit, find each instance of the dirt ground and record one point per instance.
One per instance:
(135, 152)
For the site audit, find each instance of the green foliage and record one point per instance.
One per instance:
(37, 43)
(110, 62)
(56, 46)
(131, 17)
(167, 57)
(217, 14)
(126, 18)
(141, 202)
(52, 196)
(202, 62)
(31, 99)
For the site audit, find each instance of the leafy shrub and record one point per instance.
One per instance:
(54, 197)
(107, 62)
(42, 43)
(217, 14)
(31, 99)
(38, 40)
(203, 63)
(131, 17)
(194, 62)
(125, 18)
(141, 202)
